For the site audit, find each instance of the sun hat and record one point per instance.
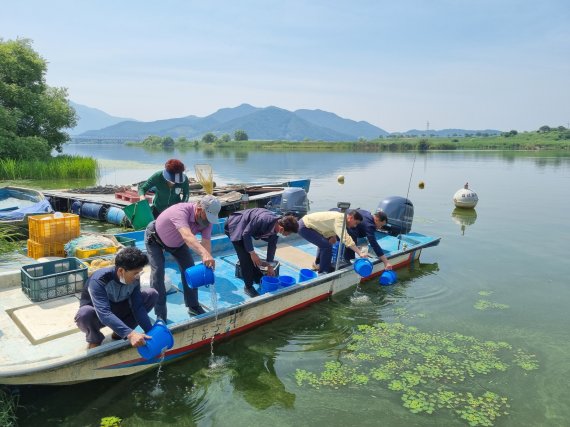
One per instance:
(212, 207)
(176, 178)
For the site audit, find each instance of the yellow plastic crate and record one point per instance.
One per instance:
(88, 253)
(37, 250)
(48, 229)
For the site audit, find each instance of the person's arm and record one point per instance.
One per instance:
(194, 244)
(247, 237)
(147, 185)
(371, 236)
(141, 317)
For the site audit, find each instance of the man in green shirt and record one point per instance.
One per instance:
(170, 186)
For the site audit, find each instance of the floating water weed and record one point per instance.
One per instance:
(485, 293)
(111, 422)
(431, 370)
(488, 305)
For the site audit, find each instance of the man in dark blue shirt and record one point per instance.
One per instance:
(257, 223)
(113, 297)
(367, 228)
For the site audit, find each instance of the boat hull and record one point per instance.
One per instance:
(115, 359)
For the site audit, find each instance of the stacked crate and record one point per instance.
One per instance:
(50, 232)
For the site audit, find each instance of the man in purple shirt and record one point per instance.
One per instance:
(113, 297)
(257, 223)
(174, 231)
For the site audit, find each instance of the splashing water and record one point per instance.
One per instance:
(158, 390)
(214, 303)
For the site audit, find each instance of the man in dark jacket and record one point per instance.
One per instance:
(367, 228)
(257, 223)
(113, 297)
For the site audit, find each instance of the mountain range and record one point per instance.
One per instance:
(269, 123)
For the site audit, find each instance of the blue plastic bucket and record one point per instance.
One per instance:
(387, 278)
(199, 275)
(115, 215)
(93, 211)
(269, 284)
(363, 267)
(285, 281)
(161, 341)
(306, 274)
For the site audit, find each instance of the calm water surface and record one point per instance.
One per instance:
(512, 250)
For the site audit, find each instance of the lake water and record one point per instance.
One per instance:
(511, 254)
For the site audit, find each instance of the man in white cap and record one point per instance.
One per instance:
(175, 232)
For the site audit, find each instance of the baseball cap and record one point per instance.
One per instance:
(177, 178)
(212, 207)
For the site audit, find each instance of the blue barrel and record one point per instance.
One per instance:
(334, 253)
(115, 215)
(76, 207)
(93, 211)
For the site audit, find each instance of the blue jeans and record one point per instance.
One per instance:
(325, 248)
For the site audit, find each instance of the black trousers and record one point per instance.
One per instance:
(249, 271)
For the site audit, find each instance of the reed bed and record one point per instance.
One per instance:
(60, 167)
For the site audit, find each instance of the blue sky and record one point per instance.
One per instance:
(470, 64)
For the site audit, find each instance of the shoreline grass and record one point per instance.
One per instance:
(60, 167)
(558, 140)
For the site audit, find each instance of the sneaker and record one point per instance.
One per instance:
(92, 345)
(196, 310)
(250, 291)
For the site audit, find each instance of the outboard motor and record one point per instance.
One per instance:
(294, 200)
(400, 212)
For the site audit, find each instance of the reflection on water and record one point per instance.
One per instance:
(464, 218)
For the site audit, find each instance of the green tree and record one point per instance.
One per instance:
(225, 138)
(31, 112)
(209, 138)
(544, 129)
(240, 135)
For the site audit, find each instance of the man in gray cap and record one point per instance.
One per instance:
(175, 231)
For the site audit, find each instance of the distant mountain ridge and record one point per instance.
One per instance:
(268, 123)
(92, 118)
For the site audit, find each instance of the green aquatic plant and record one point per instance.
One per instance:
(525, 361)
(111, 422)
(485, 293)
(430, 370)
(8, 405)
(489, 305)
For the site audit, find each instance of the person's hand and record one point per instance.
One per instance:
(332, 240)
(255, 259)
(209, 261)
(270, 270)
(364, 255)
(387, 266)
(137, 339)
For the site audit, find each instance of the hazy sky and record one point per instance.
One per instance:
(470, 64)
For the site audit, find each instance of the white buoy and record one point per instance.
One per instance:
(465, 198)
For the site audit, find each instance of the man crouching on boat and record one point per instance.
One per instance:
(257, 223)
(113, 297)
